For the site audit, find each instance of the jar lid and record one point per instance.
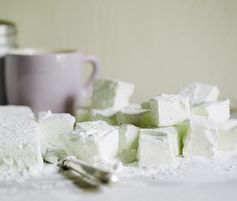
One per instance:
(7, 27)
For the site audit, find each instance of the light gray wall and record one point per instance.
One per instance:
(159, 45)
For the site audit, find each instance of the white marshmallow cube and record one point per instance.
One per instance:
(16, 113)
(94, 141)
(201, 139)
(200, 92)
(134, 114)
(217, 111)
(53, 127)
(20, 142)
(168, 110)
(156, 149)
(111, 94)
(128, 142)
(108, 115)
(227, 136)
(172, 132)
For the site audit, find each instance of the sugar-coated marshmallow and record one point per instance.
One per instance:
(111, 94)
(201, 139)
(108, 115)
(156, 149)
(20, 142)
(227, 136)
(128, 142)
(134, 114)
(94, 141)
(52, 127)
(217, 111)
(200, 92)
(168, 110)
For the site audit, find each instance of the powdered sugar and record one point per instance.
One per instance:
(222, 167)
(190, 170)
(194, 177)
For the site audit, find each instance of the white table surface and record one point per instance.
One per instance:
(215, 182)
(126, 189)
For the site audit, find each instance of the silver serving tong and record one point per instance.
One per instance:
(92, 175)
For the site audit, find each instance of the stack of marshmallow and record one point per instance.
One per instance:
(154, 133)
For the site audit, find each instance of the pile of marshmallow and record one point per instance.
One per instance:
(153, 134)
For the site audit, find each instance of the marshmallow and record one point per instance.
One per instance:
(200, 93)
(201, 139)
(82, 114)
(156, 149)
(227, 136)
(134, 114)
(128, 142)
(20, 143)
(111, 94)
(52, 128)
(175, 137)
(16, 113)
(108, 115)
(182, 129)
(168, 110)
(218, 111)
(94, 141)
(145, 105)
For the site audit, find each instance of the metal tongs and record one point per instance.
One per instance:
(92, 175)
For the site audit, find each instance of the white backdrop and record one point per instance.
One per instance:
(158, 45)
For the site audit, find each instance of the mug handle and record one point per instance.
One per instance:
(87, 87)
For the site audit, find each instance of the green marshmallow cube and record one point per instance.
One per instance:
(128, 142)
(82, 114)
(182, 129)
(111, 94)
(134, 114)
(108, 115)
(145, 105)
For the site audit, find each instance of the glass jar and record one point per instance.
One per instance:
(8, 40)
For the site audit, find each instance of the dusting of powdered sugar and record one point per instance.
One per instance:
(195, 170)
(190, 170)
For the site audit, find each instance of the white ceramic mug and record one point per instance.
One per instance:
(47, 80)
